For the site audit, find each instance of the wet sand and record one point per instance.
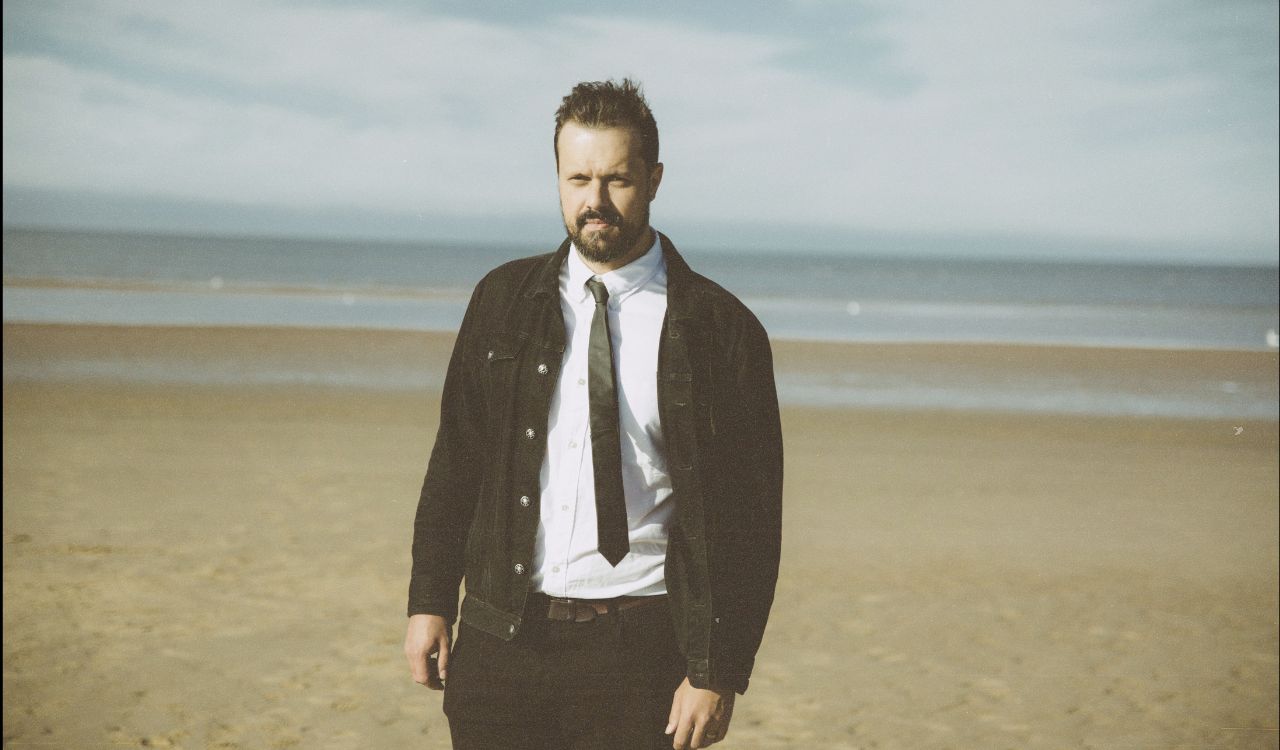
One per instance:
(224, 565)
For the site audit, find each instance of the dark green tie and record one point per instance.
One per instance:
(606, 449)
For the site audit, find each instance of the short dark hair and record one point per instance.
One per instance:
(605, 104)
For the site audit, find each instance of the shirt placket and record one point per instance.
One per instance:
(576, 454)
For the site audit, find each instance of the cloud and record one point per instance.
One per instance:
(1075, 119)
(254, 104)
(1085, 117)
(330, 106)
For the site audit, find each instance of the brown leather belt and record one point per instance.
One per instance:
(586, 610)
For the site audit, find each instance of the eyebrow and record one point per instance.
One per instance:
(606, 176)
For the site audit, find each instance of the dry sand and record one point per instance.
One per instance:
(223, 566)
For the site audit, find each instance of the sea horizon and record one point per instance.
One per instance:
(57, 276)
(167, 281)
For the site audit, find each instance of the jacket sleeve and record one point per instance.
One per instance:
(452, 485)
(749, 544)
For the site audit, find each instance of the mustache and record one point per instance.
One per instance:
(608, 217)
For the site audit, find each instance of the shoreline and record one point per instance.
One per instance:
(1012, 378)
(218, 302)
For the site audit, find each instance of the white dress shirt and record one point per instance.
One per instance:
(566, 562)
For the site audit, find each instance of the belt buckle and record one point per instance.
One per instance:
(568, 610)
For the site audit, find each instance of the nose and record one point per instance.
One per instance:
(598, 195)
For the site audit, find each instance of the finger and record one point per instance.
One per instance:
(418, 668)
(673, 718)
(722, 723)
(699, 734)
(422, 662)
(433, 674)
(443, 659)
(683, 730)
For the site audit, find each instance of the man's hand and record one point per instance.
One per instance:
(699, 718)
(426, 645)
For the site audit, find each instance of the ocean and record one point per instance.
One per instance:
(163, 280)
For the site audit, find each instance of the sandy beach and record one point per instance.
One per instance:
(222, 565)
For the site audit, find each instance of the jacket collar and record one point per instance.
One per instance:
(548, 278)
(680, 286)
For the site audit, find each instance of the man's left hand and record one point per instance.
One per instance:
(699, 718)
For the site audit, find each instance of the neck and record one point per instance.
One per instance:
(640, 248)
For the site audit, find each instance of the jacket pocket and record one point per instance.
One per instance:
(500, 356)
(503, 349)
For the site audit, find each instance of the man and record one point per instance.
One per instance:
(607, 477)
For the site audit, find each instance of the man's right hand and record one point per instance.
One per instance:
(426, 645)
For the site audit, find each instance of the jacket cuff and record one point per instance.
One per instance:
(425, 603)
(703, 677)
(448, 616)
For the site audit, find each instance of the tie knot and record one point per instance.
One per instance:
(598, 290)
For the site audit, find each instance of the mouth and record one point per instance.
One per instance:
(596, 222)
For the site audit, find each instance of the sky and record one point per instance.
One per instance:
(1126, 130)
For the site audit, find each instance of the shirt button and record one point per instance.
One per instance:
(529, 433)
(524, 501)
(542, 369)
(573, 444)
(519, 569)
(582, 381)
(556, 569)
(564, 507)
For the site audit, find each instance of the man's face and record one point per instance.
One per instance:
(605, 190)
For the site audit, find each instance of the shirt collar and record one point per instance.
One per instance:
(621, 282)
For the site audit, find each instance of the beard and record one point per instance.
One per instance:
(604, 246)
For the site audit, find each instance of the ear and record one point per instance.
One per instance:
(655, 179)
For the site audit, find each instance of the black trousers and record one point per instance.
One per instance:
(606, 684)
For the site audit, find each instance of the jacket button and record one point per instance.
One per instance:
(524, 501)
(490, 354)
(529, 433)
(542, 369)
(519, 569)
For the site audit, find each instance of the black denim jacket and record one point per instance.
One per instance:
(478, 513)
